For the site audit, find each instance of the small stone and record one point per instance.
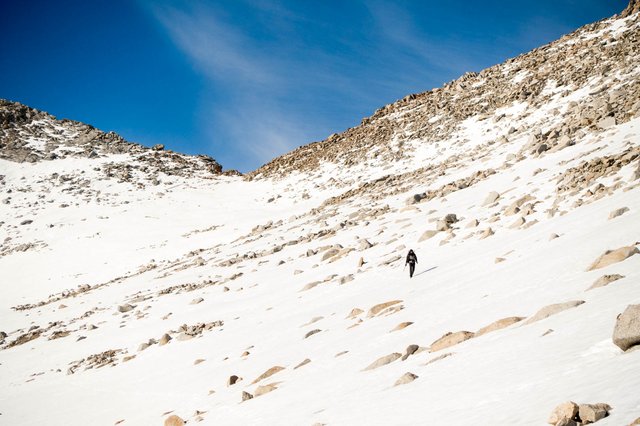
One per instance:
(261, 390)
(164, 339)
(605, 280)
(618, 212)
(405, 378)
(196, 301)
(233, 379)
(312, 332)
(246, 396)
(125, 308)
(174, 421)
(411, 349)
(387, 359)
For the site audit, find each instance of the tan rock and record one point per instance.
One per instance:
(486, 233)
(498, 325)
(174, 421)
(626, 332)
(613, 256)
(550, 310)
(261, 390)
(565, 411)
(618, 212)
(492, 197)
(164, 339)
(312, 332)
(405, 378)
(305, 362)
(402, 325)
(246, 396)
(354, 313)
(270, 372)
(387, 359)
(330, 253)
(605, 280)
(450, 339)
(591, 413)
(379, 308)
(411, 349)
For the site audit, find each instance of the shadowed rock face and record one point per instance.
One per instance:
(632, 7)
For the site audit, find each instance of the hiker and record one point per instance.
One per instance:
(412, 259)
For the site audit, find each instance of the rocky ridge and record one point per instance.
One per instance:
(29, 135)
(531, 81)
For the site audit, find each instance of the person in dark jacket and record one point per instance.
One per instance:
(412, 259)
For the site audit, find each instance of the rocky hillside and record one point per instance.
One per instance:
(29, 135)
(574, 66)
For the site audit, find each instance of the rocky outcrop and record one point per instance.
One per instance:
(29, 135)
(570, 62)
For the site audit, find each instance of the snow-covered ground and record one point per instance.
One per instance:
(302, 278)
(182, 232)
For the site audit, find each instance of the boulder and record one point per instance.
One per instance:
(261, 390)
(164, 339)
(492, 197)
(499, 324)
(387, 359)
(405, 378)
(605, 280)
(563, 412)
(380, 307)
(618, 212)
(591, 413)
(550, 310)
(174, 421)
(613, 256)
(486, 233)
(626, 333)
(364, 245)
(125, 308)
(270, 372)
(411, 349)
(450, 339)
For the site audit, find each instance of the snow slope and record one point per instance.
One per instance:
(246, 275)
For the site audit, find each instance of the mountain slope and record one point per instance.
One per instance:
(281, 298)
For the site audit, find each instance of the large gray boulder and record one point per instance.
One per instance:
(627, 330)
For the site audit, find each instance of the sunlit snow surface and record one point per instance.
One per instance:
(184, 230)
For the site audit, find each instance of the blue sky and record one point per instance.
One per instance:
(245, 81)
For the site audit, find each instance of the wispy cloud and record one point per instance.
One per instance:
(279, 77)
(258, 80)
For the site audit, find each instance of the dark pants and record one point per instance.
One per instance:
(412, 267)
